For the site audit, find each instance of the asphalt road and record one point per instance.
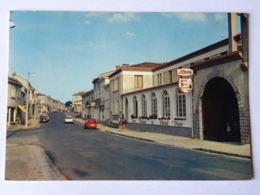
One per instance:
(93, 155)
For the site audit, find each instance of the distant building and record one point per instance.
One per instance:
(77, 102)
(87, 107)
(100, 95)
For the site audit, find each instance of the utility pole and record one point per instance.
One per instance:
(27, 103)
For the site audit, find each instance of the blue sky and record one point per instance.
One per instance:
(67, 50)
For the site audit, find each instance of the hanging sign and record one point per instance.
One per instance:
(185, 81)
(185, 85)
(184, 72)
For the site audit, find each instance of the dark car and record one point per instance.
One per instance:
(44, 118)
(90, 124)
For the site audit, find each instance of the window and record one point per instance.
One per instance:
(170, 76)
(144, 106)
(115, 84)
(159, 79)
(138, 81)
(154, 104)
(135, 103)
(118, 106)
(166, 104)
(180, 104)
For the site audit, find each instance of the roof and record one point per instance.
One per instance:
(145, 67)
(196, 53)
(14, 81)
(150, 88)
(79, 93)
(87, 93)
(103, 76)
(217, 61)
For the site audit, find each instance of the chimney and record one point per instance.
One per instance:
(14, 74)
(232, 31)
(118, 67)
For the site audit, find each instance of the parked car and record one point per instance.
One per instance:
(68, 119)
(90, 124)
(44, 118)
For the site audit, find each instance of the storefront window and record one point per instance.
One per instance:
(166, 104)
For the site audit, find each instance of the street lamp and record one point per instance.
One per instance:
(11, 24)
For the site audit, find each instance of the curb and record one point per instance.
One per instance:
(222, 153)
(196, 149)
(138, 138)
(24, 128)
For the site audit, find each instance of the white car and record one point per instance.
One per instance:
(68, 119)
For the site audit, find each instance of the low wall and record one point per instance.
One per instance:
(169, 130)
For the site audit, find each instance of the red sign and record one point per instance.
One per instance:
(185, 85)
(184, 72)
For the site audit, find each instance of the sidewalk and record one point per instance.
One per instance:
(231, 149)
(28, 162)
(32, 124)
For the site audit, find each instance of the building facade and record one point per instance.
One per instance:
(29, 92)
(126, 79)
(148, 96)
(77, 102)
(15, 102)
(87, 106)
(221, 96)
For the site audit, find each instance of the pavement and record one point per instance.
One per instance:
(225, 148)
(30, 162)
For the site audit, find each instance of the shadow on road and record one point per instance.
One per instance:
(11, 134)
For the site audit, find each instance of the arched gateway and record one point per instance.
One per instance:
(220, 111)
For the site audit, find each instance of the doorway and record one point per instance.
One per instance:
(220, 112)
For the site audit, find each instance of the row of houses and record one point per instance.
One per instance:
(147, 94)
(20, 94)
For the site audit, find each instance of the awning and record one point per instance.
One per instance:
(22, 108)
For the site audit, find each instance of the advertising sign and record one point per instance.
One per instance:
(184, 72)
(185, 85)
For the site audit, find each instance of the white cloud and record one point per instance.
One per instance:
(187, 16)
(123, 17)
(97, 15)
(114, 17)
(87, 22)
(219, 16)
(130, 34)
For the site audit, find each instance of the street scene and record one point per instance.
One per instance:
(128, 96)
(61, 151)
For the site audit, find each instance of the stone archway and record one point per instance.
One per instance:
(220, 111)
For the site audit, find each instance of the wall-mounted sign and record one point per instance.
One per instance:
(185, 85)
(93, 104)
(184, 72)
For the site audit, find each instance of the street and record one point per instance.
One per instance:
(82, 154)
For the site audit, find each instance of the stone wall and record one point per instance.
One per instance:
(169, 130)
(245, 127)
(232, 73)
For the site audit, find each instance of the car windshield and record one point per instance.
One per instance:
(92, 121)
(68, 117)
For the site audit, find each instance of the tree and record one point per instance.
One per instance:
(68, 104)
